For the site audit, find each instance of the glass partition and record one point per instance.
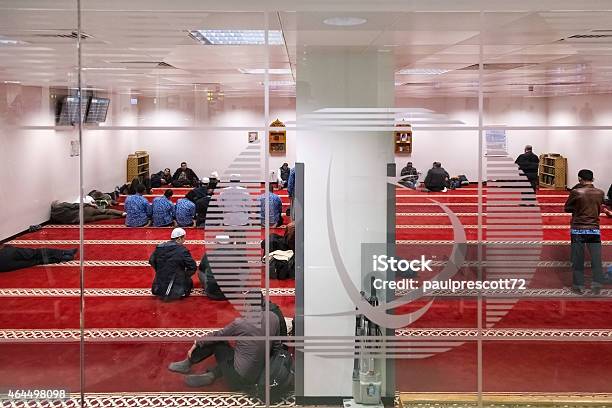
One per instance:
(231, 205)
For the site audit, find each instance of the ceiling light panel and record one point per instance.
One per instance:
(423, 71)
(261, 71)
(237, 37)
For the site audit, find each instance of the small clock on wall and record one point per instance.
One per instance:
(277, 140)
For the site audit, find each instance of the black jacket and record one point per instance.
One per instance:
(528, 163)
(436, 177)
(173, 269)
(190, 174)
(411, 172)
(284, 173)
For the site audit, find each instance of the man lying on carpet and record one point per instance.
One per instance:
(68, 213)
(241, 365)
(585, 203)
(174, 267)
(13, 258)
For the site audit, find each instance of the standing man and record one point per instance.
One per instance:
(173, 267)
(291, 191)
(528, 163)
(584, 202)
(283, 175)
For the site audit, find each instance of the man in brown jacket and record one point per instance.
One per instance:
(585, 202)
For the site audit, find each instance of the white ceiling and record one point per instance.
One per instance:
(521, 49)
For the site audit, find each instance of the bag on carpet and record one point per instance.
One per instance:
(463, 180)
(282, 265)
(281, 376)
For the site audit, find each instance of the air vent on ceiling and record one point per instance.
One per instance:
(146, 64)
(582, 36)
(65, 34)
(496, 67)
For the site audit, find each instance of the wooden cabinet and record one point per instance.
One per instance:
(403, 138)
(277, 139)
(138, 166)
(553, 171)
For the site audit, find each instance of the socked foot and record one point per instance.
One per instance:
(183, 367)
(200, 380)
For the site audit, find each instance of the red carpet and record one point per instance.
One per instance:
(117, 280)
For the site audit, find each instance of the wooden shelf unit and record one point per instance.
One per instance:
(277, 139)
(137, 166)
(553, 171)
(403, 139)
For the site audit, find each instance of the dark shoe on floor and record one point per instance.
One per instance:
(69, 254)
(577, 290)
(200, 380)
(34, 228)
(596, 290)
(183, 367)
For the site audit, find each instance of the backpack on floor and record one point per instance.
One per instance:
(282, 265)
(463, 180)
(277, 242)
(281, 376)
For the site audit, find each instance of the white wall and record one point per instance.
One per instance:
(53, 174)
(457, 150)
(36, 166)
(204, 150)
(590, 149)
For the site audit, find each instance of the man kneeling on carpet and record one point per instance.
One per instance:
(241, 365)
(174, 267)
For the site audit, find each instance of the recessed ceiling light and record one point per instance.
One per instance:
(279, 83)
(103, 68)
(423, 71)
(271, 71)
(10, 41)
(237, 37)
(12, 82)
(344, 21)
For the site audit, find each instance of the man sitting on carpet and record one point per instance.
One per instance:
(174, 267)
(410, 176)
(185, 212)
(163, 210)
(275, 217)
(184, 176)
(138, 209)
(437, 178)
(242, 365)
(13, 258)
(584, 202)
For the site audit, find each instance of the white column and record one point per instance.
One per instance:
(340, 78)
